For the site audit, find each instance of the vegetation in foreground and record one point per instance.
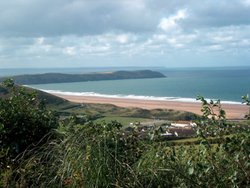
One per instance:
(86, 154)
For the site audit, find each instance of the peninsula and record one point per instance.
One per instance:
(63, 78)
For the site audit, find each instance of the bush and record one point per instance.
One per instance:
(220, 158)
(24, 121)
(90, 155)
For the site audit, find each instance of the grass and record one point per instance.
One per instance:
(125, 121)
(108, 112)
(97, 155)
(104, 111)
(185, 140)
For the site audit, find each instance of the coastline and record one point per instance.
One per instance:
(233, 111)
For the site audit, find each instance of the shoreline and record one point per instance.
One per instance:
(139, 97)
(233, 111)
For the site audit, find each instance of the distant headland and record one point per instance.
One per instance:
(64, 78)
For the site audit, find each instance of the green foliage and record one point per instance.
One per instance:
(246, 101)
(107, 110)
(24, 121)
(220, 159)
(103, 155)
(90, 155)
(195, 166)
(213, 121)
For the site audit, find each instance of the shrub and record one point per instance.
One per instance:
(90, 155)
(24, 121)
(220, 159)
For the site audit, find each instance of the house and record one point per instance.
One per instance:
(183, 124)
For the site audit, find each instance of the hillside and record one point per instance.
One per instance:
(46, 97)
(63, 78)
(66, 108)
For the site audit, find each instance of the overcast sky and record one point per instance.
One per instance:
(79, 33)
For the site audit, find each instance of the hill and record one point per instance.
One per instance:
(63, 78)
(66, 108)
(42, 96)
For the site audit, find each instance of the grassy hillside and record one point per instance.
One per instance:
(63, 78)
(104, 111)
(46, 97)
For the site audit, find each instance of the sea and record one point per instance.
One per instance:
(228, 84)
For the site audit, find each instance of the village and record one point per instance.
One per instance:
(164, 129)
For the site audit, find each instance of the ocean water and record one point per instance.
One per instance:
(181, 84)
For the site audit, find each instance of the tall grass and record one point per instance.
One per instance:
(91, 155)
(99, 155)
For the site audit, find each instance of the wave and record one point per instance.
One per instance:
(93, 94)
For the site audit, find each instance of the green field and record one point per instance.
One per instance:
(125, 121)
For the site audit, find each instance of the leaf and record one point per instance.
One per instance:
(1, 126)
(190, 170)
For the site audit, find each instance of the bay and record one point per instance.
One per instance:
(183, 84)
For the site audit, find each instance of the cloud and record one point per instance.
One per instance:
(40, 41)
(69, 51)
(75, 17)
(126, 38)
(171, 23)
(122, 38)
(142, 30)
(220, 14)
(35, 18)
(246, 2)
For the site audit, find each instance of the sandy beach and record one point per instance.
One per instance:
(233, 111)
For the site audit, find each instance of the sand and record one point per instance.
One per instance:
(233, 111)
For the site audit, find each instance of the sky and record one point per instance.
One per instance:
(99, 33)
